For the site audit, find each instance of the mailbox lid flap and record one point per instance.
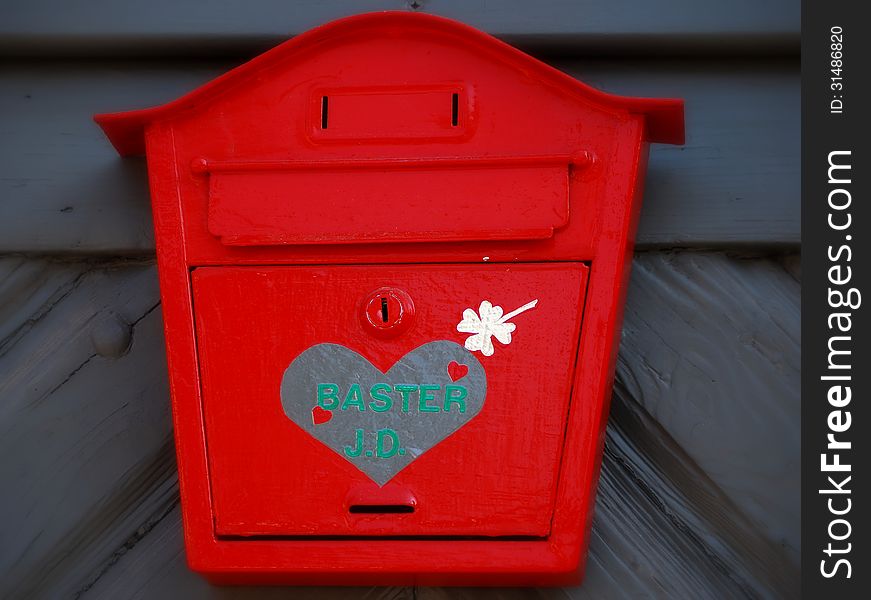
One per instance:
(388, 200)
(269, 336)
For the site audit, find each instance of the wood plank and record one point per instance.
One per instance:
(186, 27)
(734, 183)
(711, 349)
(737, 179)
(84, 419)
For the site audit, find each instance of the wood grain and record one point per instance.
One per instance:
(85, 435)
(735, 182)
(186, 27)
(711, 350)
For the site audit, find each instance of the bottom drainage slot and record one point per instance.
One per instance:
(380, 509)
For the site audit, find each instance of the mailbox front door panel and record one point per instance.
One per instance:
(320, 423)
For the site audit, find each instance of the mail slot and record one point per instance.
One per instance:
(392, 255)
(297, 202)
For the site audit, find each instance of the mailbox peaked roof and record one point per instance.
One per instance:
(126, 130)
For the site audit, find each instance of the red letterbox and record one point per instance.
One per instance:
(393, 253)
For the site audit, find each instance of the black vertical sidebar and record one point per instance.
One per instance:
(836, 364)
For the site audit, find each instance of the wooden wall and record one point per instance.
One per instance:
(699, 491)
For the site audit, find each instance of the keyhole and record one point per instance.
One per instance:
(387, 311)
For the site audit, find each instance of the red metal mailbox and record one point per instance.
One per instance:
(393, 253)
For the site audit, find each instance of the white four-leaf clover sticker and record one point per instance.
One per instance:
(490, 323)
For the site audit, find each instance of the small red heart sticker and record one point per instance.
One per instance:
(321, 416)
(456, 370)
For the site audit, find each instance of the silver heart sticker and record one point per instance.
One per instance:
(382, 422)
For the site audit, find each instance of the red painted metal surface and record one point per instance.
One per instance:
(406, 168)
(297, 488)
